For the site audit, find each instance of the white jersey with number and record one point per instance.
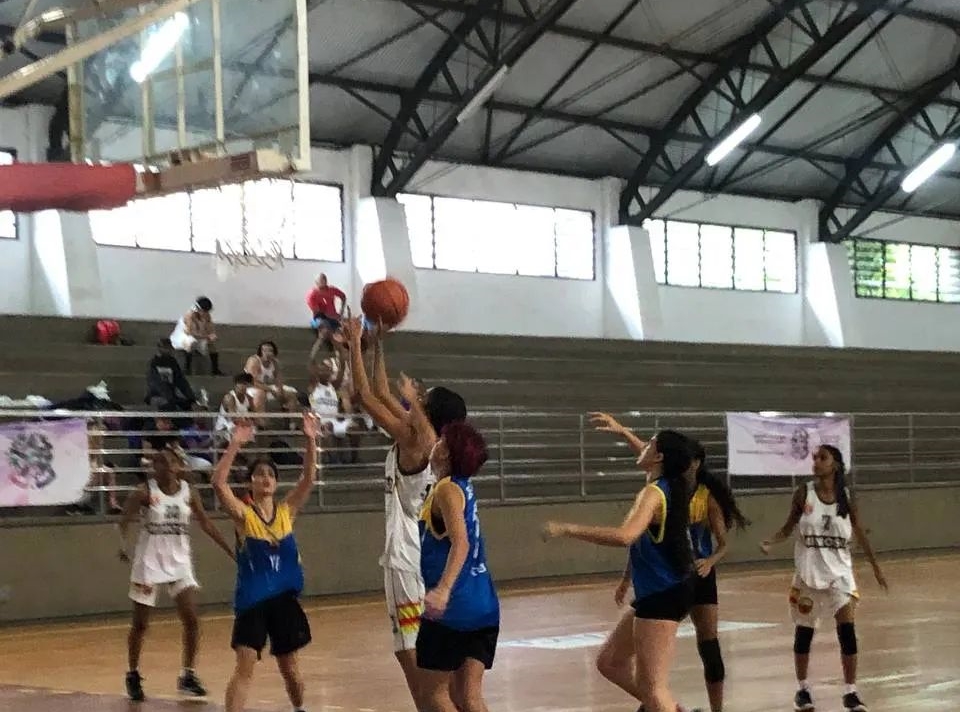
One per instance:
(822, 549)
(404, 495)
(163, 552)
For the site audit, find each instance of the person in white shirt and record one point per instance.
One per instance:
(268, 383)
(163, 559)
(407, 481)
(825, 518)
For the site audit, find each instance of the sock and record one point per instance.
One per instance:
(848, 689)
(803, 685)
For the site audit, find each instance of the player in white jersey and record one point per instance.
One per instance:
(825, 518)
(163, 559)
(414, 426)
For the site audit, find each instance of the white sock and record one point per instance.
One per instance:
(847, 689)
(803, 685)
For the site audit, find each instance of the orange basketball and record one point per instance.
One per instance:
(386, 302)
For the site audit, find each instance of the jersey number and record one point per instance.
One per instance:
(827, 521)
(274, 562)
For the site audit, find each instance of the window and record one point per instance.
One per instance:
(893, 270)
(690, 254)
(305, 218)
(8, 219)
(499, 238)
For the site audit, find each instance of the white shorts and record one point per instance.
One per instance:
(146, 594)
(809, 605)
(404, 591)
(185, 342)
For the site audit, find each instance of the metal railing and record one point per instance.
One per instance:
(534, 456)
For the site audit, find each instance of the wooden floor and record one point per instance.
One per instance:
(909, 643)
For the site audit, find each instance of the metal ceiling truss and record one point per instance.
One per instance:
(869, 188)
(397, 161)
(732, 92)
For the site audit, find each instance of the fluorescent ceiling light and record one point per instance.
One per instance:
(159, 45)
(483, 95)
(934, 162)
(733, 140)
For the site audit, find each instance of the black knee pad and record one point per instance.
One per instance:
(802, 639)
(847, 635)
(713, 670)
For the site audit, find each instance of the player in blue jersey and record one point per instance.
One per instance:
(269, 571)
(713, 511)
(461, 620)
(661, 560)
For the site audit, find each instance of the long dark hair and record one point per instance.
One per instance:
(677, 458)
(718, 490)
(839, 480)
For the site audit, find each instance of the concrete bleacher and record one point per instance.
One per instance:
(538, 455)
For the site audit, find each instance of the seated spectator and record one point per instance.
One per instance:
(322, 302)
(326, 378)
(166, 384)
(235, 404)
(196, 333)
(165, 433)
(268, 386)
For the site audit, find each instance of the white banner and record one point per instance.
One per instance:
(43, 463)
(774, 445)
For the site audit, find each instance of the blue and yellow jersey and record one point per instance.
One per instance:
(473, 601)
(700, 533)
(268, 560)
(650, 566)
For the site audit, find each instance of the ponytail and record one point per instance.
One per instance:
(719, 490)
(677, 457)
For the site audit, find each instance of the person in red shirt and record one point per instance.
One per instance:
(322, 301)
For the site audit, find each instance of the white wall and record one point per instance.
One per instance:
(161, 285)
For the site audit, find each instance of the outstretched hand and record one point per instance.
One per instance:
(352, 328)
(243, 431)
(606, 423)
(407, 388)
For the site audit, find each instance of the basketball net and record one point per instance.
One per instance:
(268, 223)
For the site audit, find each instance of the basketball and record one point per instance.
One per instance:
(385, 301)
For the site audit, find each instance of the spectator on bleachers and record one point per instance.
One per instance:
(166, 384)
(196, 333)
(322, 302)
(235, 404)
(167, 433)
(326, 379)
(268, 386)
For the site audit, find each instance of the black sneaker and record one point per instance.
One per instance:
(853, 703)
(803, 701)
(189, 684)
(135, 686)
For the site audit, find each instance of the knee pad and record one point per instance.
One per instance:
(713, 670)
(802, 639)
(847, 635)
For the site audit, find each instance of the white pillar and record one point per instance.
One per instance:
(66, 273)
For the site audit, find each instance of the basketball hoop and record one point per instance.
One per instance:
(228, 260)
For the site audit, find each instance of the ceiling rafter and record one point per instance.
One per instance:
(394, 165)
(837, 226)
(730, 110)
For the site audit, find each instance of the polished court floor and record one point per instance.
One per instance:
(909, 644)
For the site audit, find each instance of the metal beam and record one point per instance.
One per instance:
(723, 89)
(680, 56)
(362, 86)
(393, 168)
(836, 227)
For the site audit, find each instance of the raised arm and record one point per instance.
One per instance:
(606, 423)
(861, 536)
(649, 503)
(206, 524)
(381, 385)
(450, 500)
(796, 511)
(242, 433)
(396, 427)
(298, 496)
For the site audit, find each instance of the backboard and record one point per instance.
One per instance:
(215, 78)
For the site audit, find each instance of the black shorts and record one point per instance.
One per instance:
(671, 605)
(445, 649)
(705, 589)
(281, 619)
